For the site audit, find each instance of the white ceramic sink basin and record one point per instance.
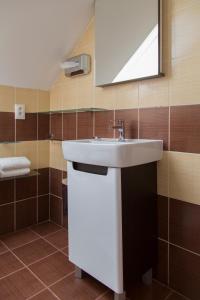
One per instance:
(113, 153)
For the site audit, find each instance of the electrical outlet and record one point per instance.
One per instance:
(19, 111)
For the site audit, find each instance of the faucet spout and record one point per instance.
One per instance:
(120, 126)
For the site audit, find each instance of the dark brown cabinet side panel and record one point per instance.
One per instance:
(139, 188)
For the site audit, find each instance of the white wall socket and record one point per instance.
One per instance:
(19, 111)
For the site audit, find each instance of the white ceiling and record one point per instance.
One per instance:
(36, 35)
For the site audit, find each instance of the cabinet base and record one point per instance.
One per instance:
(78, 273)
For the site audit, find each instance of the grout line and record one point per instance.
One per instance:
(38, 293)
(41, 259)
(168, 296)
(16, 201)
(5, 276)
(56, 197)
(59, 280)
(59, 250)
(34, 275)
(102, 295)
(22, 245)
(171, 289)
(52, 284)
(180, 247)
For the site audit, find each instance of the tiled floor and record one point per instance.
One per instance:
(34, 265)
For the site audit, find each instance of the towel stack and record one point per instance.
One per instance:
(14, 166)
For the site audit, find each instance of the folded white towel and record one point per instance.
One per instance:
(14, 163)
(14, 173)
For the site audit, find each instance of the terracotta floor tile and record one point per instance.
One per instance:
(18, 238)
(19, 286)
(79, 289)
(108, 296)
(59, 239)
(45, 295)
(153, 292)
(45, 228)
(8, 264)
(2, 248)
(33, 251)
(65, 250)
(52, 268)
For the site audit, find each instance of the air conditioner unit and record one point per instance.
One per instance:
(77, 65)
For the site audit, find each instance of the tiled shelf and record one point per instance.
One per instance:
(68, 111)
(31, 174)
(9, 142)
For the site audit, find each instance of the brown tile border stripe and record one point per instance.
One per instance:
(185, 225)
(185, 128)
(184, 272)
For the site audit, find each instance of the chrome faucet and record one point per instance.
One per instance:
(120, 125)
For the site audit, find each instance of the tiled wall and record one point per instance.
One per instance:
(24, 201)
(167, 108)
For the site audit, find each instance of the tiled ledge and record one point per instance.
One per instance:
(74, 110)
(31, 174)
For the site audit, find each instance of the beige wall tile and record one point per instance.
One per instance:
(70, 94)
(7, 98)
(105, 97)
(178, 5)
(28, 149)
(186, 37)
(43, 154)
(56, 97)
(154, 93)
(29, 97)
(43, 101)
(7, 150)
(184, 85)
(86, 91)
(184, 174)
(56, 156)
(126, 95)
(163, 175)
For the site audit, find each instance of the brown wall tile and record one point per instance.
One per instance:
(26, 187)
(162, 217)
(154, 124)
(56, 209)
(43, 126)
(130, 116)
(69, 126)
(185, 128)
(160, 271)
(185, 225)
(184, 272)
(43, 181)
(7, 126)
(56, 126)
(6, 218)
(56, 182)
(26, 213)
(6, 191)
(85, 125)
(26, 130)
(43, 208)
(103, 124)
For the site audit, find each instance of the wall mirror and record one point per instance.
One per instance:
(128, 35)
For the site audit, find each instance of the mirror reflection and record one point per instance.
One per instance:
(127, 40)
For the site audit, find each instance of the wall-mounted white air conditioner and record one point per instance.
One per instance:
(77, 65)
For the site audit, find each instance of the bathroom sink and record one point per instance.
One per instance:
(112, 152)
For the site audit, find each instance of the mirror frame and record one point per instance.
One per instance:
(160, 52)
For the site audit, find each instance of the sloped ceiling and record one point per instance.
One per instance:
(36, 35)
